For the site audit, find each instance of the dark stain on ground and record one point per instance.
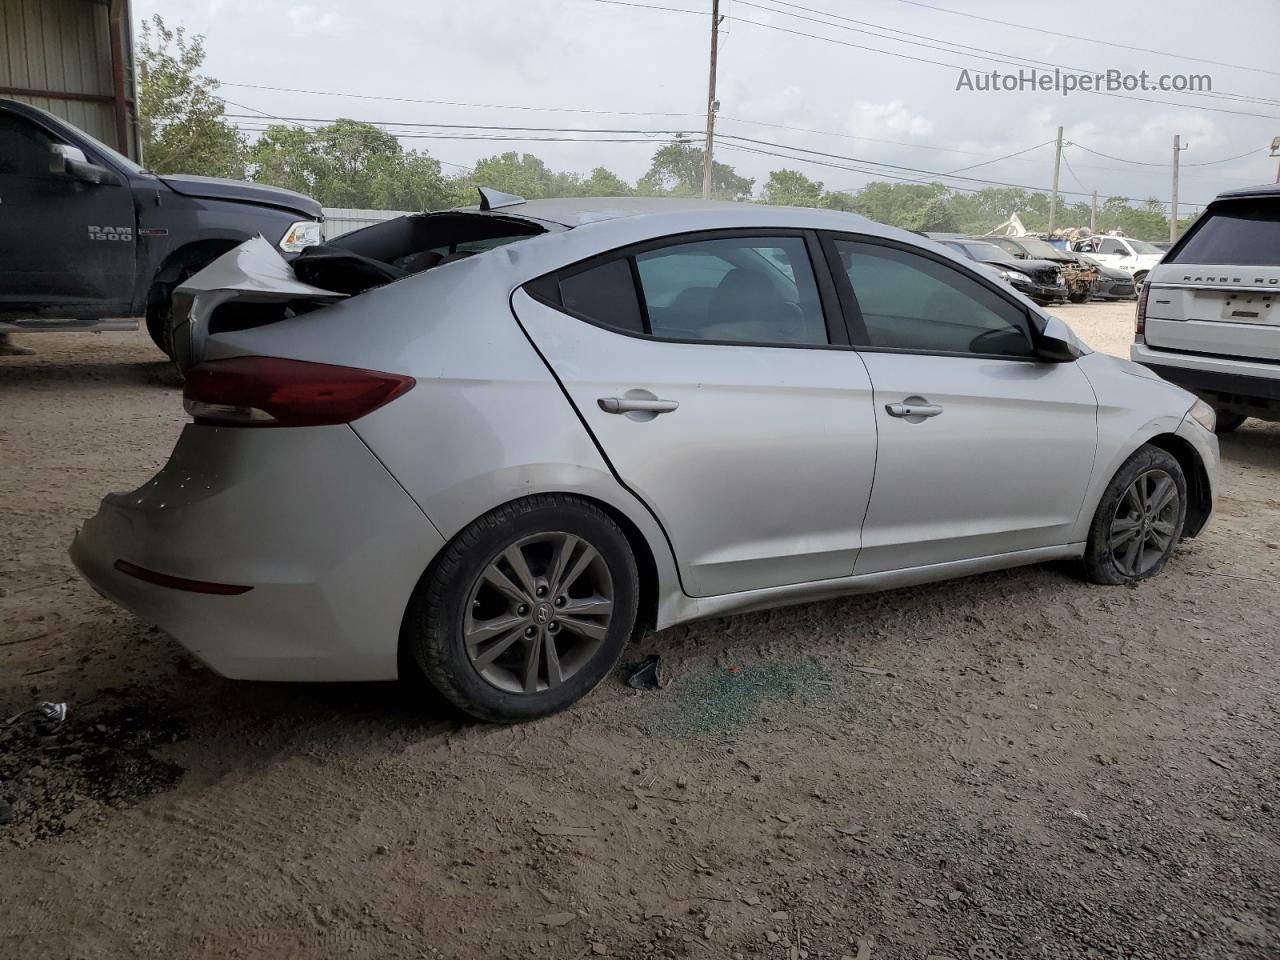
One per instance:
(56, 776)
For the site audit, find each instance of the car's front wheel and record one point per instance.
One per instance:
(1139, 519)
(525, 610)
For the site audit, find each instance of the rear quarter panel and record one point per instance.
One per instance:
(486, 422)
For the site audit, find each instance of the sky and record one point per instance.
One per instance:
(595, 65)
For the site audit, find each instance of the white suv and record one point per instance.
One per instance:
(1209, 316)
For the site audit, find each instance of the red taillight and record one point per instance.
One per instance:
(274, 392)
(1140, 318)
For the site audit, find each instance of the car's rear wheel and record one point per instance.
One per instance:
(1227, 421)
(525, 610)
(1139, 519)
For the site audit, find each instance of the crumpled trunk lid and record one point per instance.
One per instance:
(249, 286)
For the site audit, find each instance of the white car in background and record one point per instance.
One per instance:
(1134, 257)
(487, 445)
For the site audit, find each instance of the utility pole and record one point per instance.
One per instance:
(1093, 213)
(1173, 200)
(1057, 164)
(1275, 152)
(711, 102)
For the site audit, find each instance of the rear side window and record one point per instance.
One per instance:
(605, 294)
(733, 290)
(910, 302)
(1242, 233)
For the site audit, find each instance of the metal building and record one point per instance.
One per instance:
(73, 58)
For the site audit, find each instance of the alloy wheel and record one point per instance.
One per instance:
(1145, 523)
(538, 612)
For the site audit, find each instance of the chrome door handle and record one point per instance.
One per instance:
(634, 405)
(913, 409)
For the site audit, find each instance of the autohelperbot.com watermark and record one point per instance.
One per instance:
(1058, 81)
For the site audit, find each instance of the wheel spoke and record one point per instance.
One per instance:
(1163, 526)
(484, 630)
(532, 660)
(568, 543)
(1131, 554)
(1162, 496)
(495, 650)
(593, 606)
(1157, 539)
(515, 557)
(1133, 499)
(579, 567)
(502, 583)
(554, 676)
(587, 628)
(1123, 530)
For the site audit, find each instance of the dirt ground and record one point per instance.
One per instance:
(1011, 766)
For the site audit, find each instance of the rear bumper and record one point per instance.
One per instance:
(1215, 378)
(330, 545)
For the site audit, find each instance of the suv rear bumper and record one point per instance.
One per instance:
(1241, 384)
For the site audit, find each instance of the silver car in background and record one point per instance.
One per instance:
(490, 444)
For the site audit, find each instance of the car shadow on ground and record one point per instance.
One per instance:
(37, 373)
(1256, 444)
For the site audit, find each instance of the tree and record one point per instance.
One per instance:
(184, 129)
(605, 183)
(522, 174)
(933, 216)
(349, 164)
(676, 170)
(791, 188)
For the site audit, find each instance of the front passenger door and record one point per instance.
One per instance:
(984, 449)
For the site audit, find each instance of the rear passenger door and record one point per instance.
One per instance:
(983, 448)
(715, 373)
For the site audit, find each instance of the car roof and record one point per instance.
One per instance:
(573, 212)
(1261, 190)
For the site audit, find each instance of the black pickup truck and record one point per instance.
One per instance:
(89, 240)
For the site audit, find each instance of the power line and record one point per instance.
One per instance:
(892, 166)
(954, 66)
(1147, 163)
(1073, 36)
(996, 56)
(447, 103)
(467, 126)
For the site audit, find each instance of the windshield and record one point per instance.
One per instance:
(988, 251)
(1238, 233)
(1141, 246)
(1038, 249)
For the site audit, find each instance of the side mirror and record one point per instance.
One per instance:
(1055, 343)
(70, 162)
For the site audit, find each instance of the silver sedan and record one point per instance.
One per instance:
(489, 445)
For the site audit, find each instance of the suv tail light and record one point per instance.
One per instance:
(1140, 318)
(273, 392)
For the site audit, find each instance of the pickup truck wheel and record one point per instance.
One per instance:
(1228, 421)
(158, 324)
(1138, 280)
(1078, 297)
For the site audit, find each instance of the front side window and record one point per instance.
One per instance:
(910, 302)
(737, 290)
(24, 148)
(1112, 246)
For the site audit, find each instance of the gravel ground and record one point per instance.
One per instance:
(1016, 765)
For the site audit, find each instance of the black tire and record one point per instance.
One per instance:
(158, 325)
(1138, 280)
(434, 626)
(1079, 297)
(1228, 421)
(1101, 564)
